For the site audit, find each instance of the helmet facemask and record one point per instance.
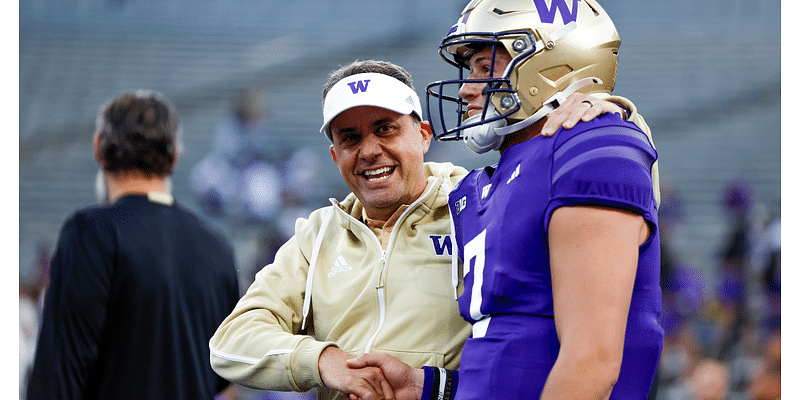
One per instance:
(498, 91)
(548, 61)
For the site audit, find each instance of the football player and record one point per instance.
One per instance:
(559, 240)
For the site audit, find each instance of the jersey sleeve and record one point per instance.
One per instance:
(603, 165)
(75, 311)
(638, 119)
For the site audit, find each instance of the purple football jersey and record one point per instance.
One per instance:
(501, 214)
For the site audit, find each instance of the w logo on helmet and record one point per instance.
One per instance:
(547, 14)
(359, 86)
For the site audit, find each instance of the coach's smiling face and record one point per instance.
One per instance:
(380, 155)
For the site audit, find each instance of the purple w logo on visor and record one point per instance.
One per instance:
(359, 86)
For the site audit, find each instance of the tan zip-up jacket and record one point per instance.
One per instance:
(399, 301)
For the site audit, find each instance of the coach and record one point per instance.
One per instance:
(138, 283)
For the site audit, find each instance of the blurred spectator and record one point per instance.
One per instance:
(683, 291)
(241, 176)
(683, 300)
(299, 196)
(766, 383)
(28, 332)
(253, 177)
(770, 279)
(722, 339)
(31, 296)
(708, 380)
(737, 201)
(682, 285)
(670, 218)
(255, 180)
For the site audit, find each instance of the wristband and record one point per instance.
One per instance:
(440, 383)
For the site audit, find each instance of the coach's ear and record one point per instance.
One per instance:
(427, 135)
(333, 154)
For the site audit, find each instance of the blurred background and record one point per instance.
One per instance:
(246, 78)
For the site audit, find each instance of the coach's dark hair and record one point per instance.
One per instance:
(138, 131)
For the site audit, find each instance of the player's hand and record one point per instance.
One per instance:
(364, 383)
(577, 107)
(406, 382)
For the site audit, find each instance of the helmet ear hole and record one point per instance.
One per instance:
(555, 73)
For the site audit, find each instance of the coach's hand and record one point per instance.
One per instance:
(406, 382)
(577, 107)
(364, 383)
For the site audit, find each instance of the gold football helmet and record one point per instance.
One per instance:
(556, 46)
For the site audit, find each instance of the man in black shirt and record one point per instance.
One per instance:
(138, 283)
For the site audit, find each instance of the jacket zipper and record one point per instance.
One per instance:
(381, 306)
(382, 262)
(381, 265)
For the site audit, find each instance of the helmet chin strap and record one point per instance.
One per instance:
(489, 136)
(481, 138)
(547, 107)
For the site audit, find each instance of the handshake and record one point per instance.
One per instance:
(369, 376)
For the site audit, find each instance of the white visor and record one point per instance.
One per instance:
(368, 89)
